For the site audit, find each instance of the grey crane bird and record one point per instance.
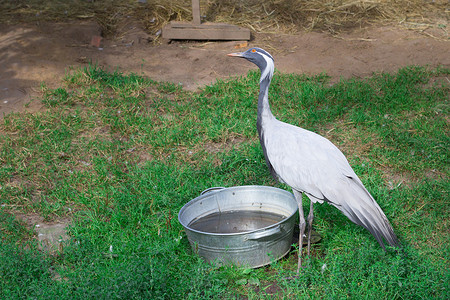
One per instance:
(311, 164)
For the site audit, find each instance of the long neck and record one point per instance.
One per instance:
(264, 112)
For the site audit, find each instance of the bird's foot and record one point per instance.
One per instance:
(293, 277)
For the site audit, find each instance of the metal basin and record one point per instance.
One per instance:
(248, 226)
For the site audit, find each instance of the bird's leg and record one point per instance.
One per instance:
(302, 225)
(310, 220)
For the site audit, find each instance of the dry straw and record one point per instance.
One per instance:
(259, 16)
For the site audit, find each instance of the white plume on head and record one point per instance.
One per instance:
(268, 71)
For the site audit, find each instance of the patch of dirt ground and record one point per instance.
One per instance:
(50, 235)
(32, 54)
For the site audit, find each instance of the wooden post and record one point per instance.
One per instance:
(196, 12)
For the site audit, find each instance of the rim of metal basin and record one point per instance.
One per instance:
(210, 191)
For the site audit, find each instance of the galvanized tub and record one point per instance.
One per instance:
(251, 246)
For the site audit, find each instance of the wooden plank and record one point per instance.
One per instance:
(196, 12)
(186, 31)
(176, 24)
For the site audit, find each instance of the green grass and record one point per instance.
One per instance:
(121, 154)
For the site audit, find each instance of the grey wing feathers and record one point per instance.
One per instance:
(360, 207)
(323, 173)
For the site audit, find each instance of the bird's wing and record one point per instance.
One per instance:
(311, 164)
(303, 159)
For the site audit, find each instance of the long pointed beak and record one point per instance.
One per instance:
(238, 54)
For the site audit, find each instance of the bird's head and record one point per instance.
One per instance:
(259, 57)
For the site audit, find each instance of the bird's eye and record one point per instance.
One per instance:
(253, 50)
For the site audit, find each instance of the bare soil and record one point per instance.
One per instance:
(33, 54)
(50, 234)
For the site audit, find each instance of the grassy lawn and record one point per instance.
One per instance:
(120, 154)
